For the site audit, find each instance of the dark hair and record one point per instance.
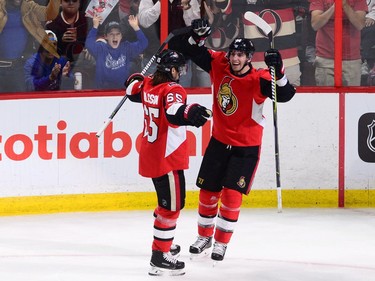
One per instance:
(160, 77)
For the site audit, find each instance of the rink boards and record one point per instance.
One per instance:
(51, 161)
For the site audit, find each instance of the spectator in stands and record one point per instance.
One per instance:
(280, 15)
(21, 22)
(181, 13)
(306, 42)
(322, 20)
(109, 13)
(70, 27)
(128, 7)
(368, 45)
(114, 56)
(224, 23)
(43, 71)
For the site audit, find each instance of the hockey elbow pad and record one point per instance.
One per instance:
(135, 98)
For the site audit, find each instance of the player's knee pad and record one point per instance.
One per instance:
(208, 202)
(165, 217)
(229, 211)
(231, 198)
(231, 201)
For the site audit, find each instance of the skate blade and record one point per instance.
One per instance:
(215, 263)
(157, 271)
(202, 255)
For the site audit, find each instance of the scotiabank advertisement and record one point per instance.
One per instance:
(48, 146)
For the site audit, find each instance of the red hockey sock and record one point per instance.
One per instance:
(208, 207)
(229, 212)
(164, 228)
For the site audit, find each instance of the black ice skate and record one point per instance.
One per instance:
(165, 264)
(218, 252)
(200, 247)
(175, 250)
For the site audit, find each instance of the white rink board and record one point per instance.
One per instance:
(308, 144)
(359, 174)
(308, 136)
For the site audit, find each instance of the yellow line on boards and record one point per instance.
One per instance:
(291, 198)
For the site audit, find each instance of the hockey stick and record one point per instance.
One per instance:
(266, 28)
(172, 34)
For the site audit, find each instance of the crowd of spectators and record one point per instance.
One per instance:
(303, 32)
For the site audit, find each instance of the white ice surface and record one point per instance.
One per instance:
(296, 245)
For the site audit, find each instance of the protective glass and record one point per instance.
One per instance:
(182, 70)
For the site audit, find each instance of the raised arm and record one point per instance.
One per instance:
(148, 12)
(192, 44)
(285, 91)
(191, 12)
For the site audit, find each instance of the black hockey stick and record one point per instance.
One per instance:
(174, 33)
(266, 28)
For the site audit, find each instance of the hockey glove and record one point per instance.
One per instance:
(200, 31)
(132, 78)
(196, 114)
(272, 57)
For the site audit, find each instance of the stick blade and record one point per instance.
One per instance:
(258, 21)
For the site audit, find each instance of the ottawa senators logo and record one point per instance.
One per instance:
(241, 182)
(227, 100)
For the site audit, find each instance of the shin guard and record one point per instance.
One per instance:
(229, 212)
(164, 228)
(208, 208)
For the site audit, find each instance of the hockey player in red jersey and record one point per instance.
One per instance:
(163, 153)
(232, 156)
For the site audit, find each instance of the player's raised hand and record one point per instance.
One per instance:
(201, 29)
(272, 58)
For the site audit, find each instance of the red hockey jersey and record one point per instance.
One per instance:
(237, 103)
(164, 146)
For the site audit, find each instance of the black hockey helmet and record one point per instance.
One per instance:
(168, 59)
(242, 44)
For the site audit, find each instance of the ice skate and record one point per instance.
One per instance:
(201, 247)
(175, 250)
(218, 252)
(165, 264)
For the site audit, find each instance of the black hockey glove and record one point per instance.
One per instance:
(196, 114)
(200, 31)
(132, 78)
(273, 58)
